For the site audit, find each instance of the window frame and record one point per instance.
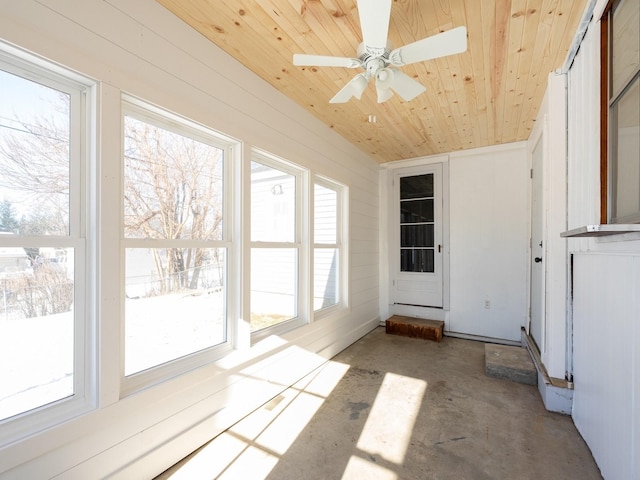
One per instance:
(339, 245)
(159, 117)
(608, 101)
(300, 243)
(81, 237)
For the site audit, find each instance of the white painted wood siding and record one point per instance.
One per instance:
(606, 288)
(141, 49)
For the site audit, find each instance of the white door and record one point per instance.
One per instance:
(416, 246)
(536, 317)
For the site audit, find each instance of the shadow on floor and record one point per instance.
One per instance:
(391, 408)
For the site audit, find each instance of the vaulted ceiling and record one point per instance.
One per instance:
(488, 95)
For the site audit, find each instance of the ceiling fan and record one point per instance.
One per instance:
(378, 59)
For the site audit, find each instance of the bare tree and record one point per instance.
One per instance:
(173, 190)
(34, 162)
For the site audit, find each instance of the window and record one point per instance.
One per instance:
(44, 287)
(327, 245)
(620, 112)
(276, 234)
(176, 241)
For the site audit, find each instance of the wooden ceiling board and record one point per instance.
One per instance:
(488, 95)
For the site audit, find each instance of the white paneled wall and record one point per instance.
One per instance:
(141, 49)
(606, 288)
(489, 228)
(606, 405)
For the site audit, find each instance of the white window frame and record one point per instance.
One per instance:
(300, 243)
(159, 117)
(81, 238)
(340, 245)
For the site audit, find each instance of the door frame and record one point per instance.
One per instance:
(538, 197)
(387, 209)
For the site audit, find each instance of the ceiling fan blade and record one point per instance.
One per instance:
(374, 22)
(302, 60)
(354, 88)
(405, 86)
(440, 45)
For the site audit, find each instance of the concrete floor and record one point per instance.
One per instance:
(391, 407)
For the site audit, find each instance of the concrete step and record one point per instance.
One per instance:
(415, 327)
(510, 363)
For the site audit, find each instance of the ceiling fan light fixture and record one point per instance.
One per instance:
(384, 94)
(354, 88)
(376, 56)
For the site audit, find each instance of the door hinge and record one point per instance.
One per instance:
(531, 173)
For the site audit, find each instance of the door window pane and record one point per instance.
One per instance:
(274, 279)
(416, 211)
(416, 235)
(172, 311)
(417, 186)
(273, 204)
(417, 260)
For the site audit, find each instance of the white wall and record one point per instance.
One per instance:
(488, 195)
(141, 49)
(489, 229)
(606, 289)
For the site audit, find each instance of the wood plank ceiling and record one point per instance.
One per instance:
(488, 95)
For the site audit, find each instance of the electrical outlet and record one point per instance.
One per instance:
(487, 304)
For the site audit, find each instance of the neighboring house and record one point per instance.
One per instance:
(13, 260)
(135, 58)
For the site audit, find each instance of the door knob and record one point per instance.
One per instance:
(537, 259)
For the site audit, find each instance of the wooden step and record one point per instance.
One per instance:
(415, 327)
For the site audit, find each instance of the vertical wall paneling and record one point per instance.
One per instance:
(606, 352)
(555, 247)
(606, 282)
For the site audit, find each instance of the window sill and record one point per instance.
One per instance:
(601, 230)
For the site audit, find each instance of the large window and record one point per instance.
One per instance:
(621, 112)
(176, 241)
(43, 244)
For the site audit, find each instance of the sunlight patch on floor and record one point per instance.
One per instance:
(252, 447)
(389, 426)
(360, 469)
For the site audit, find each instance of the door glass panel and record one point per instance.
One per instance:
(417, 227)
(417, 260)
(416, 235)
(418, 186)
(416, 211)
